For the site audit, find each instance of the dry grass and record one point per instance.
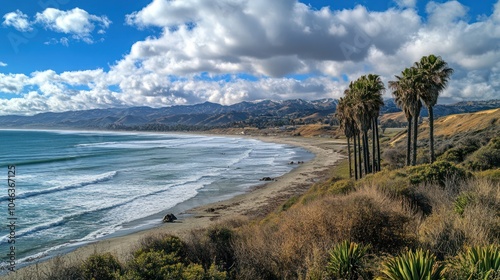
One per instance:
(453, 125)
(312, 130)
(445, 232)
(295, 244)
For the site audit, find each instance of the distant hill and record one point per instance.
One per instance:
(266, 113)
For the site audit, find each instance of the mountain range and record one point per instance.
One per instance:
(208, 115)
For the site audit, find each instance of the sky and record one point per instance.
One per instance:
(62, 55)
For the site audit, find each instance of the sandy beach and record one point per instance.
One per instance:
(255, 203)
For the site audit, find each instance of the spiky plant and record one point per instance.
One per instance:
(347, 261)
(478, 263)
(412, 266)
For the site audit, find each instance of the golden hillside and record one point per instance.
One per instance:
(459, 123)
(446, 126)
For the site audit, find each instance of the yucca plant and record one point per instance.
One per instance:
(347, 261)
(478, 263)
(412, 266)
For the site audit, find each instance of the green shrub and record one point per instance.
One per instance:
(196, 272)
(412, 266)
(477, 263)
(155, 265)
(221, 242)
(168, 244)
(465, 147)
(486, 157)
(291, 201)
(342, 187)
(436, 173)
(347, 261)
(454, 155)
(101, 267)
(491, 174)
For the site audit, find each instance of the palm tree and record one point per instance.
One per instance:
(375, 102)
(435, 75)
(343, 114)
(357, 96)
(365, 95)
(406, 90)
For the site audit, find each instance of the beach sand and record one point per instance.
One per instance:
(255, 203)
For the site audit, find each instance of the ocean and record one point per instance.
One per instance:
(72, 188)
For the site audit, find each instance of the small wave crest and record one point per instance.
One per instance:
(96, 179)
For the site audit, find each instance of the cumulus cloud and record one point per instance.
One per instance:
(12, 83)
(406, 3)
(3, 64)
(269, 38)
(236, 50)
(76, 22)
(18, 20)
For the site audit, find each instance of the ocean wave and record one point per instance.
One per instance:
(63, 220)
(54, 160)
(96, 179)
(143, 144)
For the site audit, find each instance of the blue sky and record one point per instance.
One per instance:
(59, 55)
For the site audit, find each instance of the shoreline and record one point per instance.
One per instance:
(254, 203)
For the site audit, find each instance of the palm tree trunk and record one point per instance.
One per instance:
(431, 133)
(355, 158)
(359, 158)
(366, 155)
(368, 163)
(408, 142)
(349, 156)
(415, 132)
(374, 159)
(378, 144)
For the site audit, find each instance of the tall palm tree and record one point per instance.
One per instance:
(365, 95)
(406, 90)
(435, 75)
(357, 95)
(346, 125)
(375, 102)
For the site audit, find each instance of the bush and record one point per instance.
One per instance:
(436, 173)
(465, 147)
(347, 261)
(154, 265)
(486, 157)
(168, 244)
(101, 267)
(412, 265)
(491, 174)
(221, 243)
(289, 203)
(477, 263)
(344, 186)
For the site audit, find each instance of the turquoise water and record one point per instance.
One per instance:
(75, 187)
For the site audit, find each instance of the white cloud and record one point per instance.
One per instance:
(18, 20)
(406, 3)
(76, 22)
(12, 83)
(3, 64)
(271, 41)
